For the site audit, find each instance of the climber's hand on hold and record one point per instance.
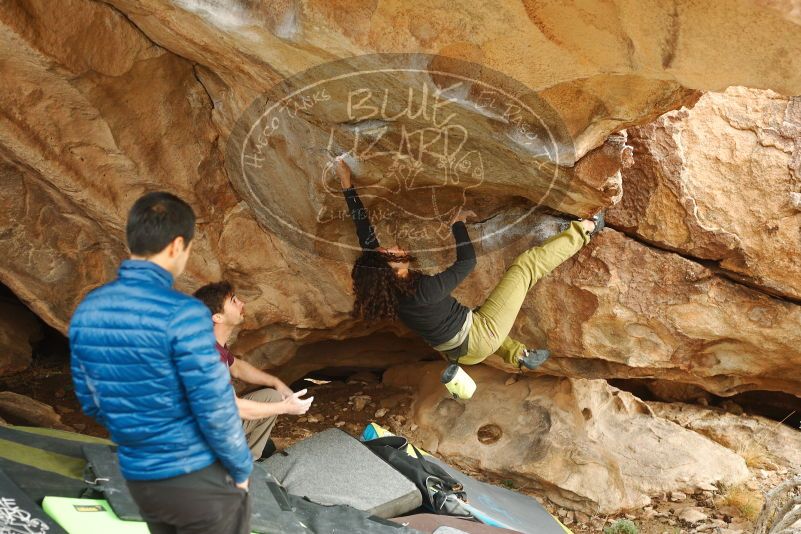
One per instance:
(463, 216)
(595, 224)
(343, 171)
(588, 225)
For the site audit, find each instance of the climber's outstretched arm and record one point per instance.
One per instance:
(358, 213)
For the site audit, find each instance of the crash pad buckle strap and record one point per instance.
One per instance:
(279, 496)
(103, 467)
(456, 487)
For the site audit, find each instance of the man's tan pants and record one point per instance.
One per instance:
(257, 431)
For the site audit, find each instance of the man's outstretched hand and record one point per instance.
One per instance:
(283, 389)
(294, 405)
(343, 171)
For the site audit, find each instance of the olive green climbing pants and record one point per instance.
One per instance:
(493, 321)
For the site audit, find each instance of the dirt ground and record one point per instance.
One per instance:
(353, 403)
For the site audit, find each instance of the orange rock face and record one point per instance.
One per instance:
(19, 329)
(101, 102)
(722, 182)
(107, 103)
(623, 309)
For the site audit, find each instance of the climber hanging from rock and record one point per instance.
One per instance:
(387, 288)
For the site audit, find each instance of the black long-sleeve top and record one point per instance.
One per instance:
(364, 230)
(431, 311)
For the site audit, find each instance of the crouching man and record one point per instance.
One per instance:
(258, 409)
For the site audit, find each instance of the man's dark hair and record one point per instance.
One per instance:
(155, 220)
(215, 295)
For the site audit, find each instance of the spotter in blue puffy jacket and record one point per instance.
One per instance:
(144, 365)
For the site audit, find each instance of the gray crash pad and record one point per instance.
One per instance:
(334, 468)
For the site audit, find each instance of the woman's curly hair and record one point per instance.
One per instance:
(378, 289)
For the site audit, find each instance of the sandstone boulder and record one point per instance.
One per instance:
(147, 93)
(22, 410)
(19, 329)
(584, 444)
(621, 309)
(586, 56)
(123, 97)
(719, 182)
(99, 116)
(763, 443)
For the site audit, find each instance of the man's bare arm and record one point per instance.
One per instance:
(244, 371)
(250, 410)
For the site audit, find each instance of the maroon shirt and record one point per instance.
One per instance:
(225, 355)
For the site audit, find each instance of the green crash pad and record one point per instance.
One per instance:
(89, 516)
(95, 516)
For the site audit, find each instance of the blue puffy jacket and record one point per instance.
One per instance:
(144, 365)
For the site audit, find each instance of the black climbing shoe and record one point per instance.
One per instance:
(269, 450)
(532, 359)
(599, 223)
